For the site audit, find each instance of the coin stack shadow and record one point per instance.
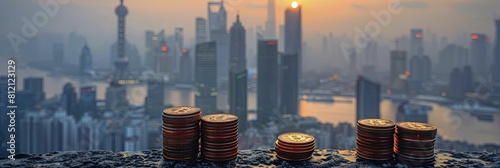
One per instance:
(374, 140)
(295, 146)
(181, 133)
(414, 143)
(219, 137)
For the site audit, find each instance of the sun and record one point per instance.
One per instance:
(295, 4)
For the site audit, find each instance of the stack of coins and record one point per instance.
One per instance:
(181, 133)
(295, 146)
(414, 143)
(219, 137)
(374, 140)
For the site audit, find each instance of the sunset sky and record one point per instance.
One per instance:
(96, 20)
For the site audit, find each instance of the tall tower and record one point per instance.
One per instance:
(367, 99)
(85, 60)
(293, 50)
(205, 75)
(121, 64)
(479, 54)
(271, 20)
(267, 83)
(201, 30)
(238, 73)
(495, 68)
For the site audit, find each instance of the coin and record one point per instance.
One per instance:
(295, 146)
(295, 138)
(414, 143)
(375, 139)
(219, 136)
(181, 111)
(181, 133)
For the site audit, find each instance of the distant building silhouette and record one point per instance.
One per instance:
(495, 68)
(85, 60)
(461, 82)
(154, 105)
(217, 21)
(271, 20)
(88, 101)
(116, 99)
(68, 100)
(164, 59)
(238, 73)
(398, 71)
(267, 82)
(112, 132)
(205, 75)
(289, 80)
(450, 57)
(479, 54)
(177, 47)
(87, 133)
(35, 86)
(201, 30)
(367, 99)
(293, 32)
(185, 67)
(58, 54)
(416, 42)
(151, 42)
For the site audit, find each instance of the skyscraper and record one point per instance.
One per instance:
(455, 86)
(68, 100)
(155, 98)
(271, 20)
(267, 82)
(116, 98)
(151, 42)
(87, 132)
(293, 56)
(218, 33)
(35, 86)
(58, 53)
(238, 73)
(201, 30)
(121, 64)
(85, 60)
(178, 46)
(88, 101)
(205, 75)
(185, 67)
(4, 121)
(398, 71)
(164, 59)
(479, 56)
(417, 42)
(367, 99)
(289, 80)
(450, 57)
(495, 68)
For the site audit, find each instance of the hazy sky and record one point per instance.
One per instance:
(96, 20)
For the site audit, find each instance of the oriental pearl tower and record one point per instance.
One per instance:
(121, 64)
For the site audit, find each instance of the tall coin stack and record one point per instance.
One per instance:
(181, 133)
(219, 137)
(295, 146)
(414, 143)
(374, 140)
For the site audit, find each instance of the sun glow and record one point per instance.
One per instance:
(295, 4)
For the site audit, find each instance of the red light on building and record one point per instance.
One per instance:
(418, 35)
(164, 48)
(474, 37)
(184, 51)
(407, 73)
(274, 42)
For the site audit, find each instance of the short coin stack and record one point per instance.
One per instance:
(295, 146)
(414, 143)
(181, 133)
(375, 140)
(219, 137)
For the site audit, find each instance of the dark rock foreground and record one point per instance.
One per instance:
(246, 158)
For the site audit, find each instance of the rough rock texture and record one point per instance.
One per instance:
(246, 158)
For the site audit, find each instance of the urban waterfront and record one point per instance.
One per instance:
(453, 125)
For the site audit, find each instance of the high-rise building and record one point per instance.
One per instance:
(85, 60)
(32, 132)
(468, 79)
(164, 59)
(479, 56)
(178, 46)
(135, 133)
(58, 54)
(399, 74)
(112, 132)
(281, 37)
(238, 73)
(201, 30)
(455, 85)
(151, 43)
(450, 57)
(367, 99)
(271, 20)
(495, 68)
(116, 98)
(61, 132)
(416, 42)
(267, 82)
(4, 121)
(289, 81)
(88, 101)
(293, 31)
(121, 63)
(35, 86)
(87, 132)
(155, 99)
(185, 67)
(68, 100)
(218, 33)
(205, 77)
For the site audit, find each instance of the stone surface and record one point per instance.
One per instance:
(246, 158)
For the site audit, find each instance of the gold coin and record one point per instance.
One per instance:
(383, 123)
(295, 138)
(220, 118)
(416, 126)
(181, 110)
